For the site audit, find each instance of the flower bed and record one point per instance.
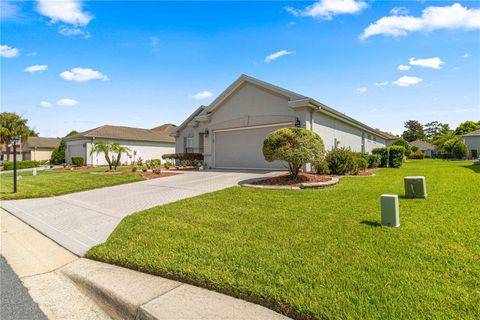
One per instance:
(286, 180)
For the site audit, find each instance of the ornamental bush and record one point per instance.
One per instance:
(341, 161)
(459, 150)
(189, 158)
(77, 161)
(361, 164)
(415, 149)
(374, 161)
(449, 144)
(384, 154)
(405, 144)
(321, 167)
(417, 155)
(296, 146)
(22, 164)
(396, 155)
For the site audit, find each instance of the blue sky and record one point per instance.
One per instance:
(76, 65)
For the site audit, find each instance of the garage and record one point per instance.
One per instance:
(241, 148)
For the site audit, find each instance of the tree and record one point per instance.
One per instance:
(118, 149)
(296, 146)
(443, 138)
(105, 148)
(467, 127)
(414, 131)
(459, 150)
(405, 144)
(12, 125)
(449, 144)
(435, 129)
(58, 154)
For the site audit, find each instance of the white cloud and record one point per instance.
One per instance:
(407, 81)
(202, 95)
(466, 55)
(381, 84)
(361, 90)
(326, 9)
(403, 67)
(434, 63)
(8, 52)
(36, 68)
(83, 75)
(277, 55)
(66, 11)
(67, 102)
(433, 18)
(45, 104)
(67, 31)
(399, 11)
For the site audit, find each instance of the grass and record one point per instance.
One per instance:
(54, 183)
(321, 253)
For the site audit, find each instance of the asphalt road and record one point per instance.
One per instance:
(16, 303)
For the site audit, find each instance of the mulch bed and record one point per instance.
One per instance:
(286, 180)
(74, 168)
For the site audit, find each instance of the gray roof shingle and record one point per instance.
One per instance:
(158, 134)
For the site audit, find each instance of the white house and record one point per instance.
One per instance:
(472, 140)
(230, 131)
(144, 144)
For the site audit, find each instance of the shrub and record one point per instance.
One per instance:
(77, 161)
(341, 161)
(374, 160)
(296, 146)
(449, 144)
(154, 164)
(168, 165)
(405, 144)
(321, 167)
(189, 158)
(396, 155)
(140, 161)
(460, 150)
(384, 154)
(21, 164)
(417, 155)
(361, 164)
(134, 169)
(474, 153)
(415, 149)
(144, 169)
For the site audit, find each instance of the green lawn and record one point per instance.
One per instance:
(321, 253)
(54, 183)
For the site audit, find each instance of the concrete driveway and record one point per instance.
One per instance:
(78, 221)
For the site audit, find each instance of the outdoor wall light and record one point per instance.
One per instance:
(297, 123)
(206, 132)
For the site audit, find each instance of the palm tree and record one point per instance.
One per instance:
(105, 148)
(118, 149)
(12, 125)
(444, 137)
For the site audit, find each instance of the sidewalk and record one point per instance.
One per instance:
(68, 287)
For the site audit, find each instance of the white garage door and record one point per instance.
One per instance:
(242, 148)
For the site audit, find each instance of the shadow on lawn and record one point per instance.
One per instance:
(474, 167)
(371, 223)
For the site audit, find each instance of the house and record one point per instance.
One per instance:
(230, 131)
(428, 149)
(39, 148)
(472, 140)
(8, 156)
(144, 144)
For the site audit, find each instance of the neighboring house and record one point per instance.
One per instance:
(472, 140)
(231, 130)
(428, 149)
(39, 148)
(143, 143)
(3, 152)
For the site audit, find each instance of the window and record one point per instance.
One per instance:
(374, 138)
(189, 142)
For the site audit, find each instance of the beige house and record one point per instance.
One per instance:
(428, 149)
(39, 148)
(144, 143)
(472, 140)
(230, 131)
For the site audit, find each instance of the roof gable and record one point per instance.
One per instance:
(124, 133)
(473, 133)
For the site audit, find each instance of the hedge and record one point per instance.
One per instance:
(417, 155)
(341, 161)
(77, 161)
(397, 153)
(460, 150)
(23, 164)
(384, 154)
(190, 158)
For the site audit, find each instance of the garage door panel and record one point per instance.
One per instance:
(243, 149)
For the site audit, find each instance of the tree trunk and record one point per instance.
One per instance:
(7, 149)
(107, 157)
(118, 160)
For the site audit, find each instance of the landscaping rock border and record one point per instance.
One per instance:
(305, 185)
